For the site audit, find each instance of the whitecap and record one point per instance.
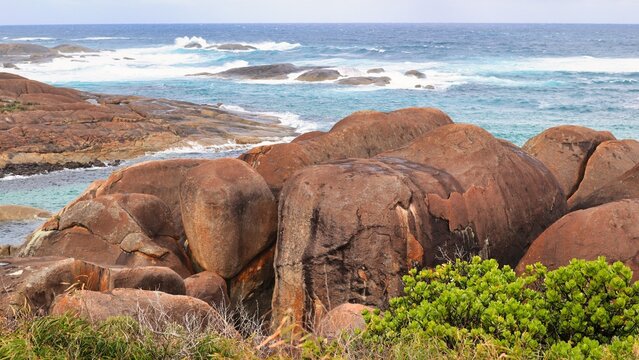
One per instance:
(97, 38)
(285, 118)
(33, 39)
(193, 147)
(182, 42)
(142, 64)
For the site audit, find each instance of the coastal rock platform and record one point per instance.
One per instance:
(46, 128)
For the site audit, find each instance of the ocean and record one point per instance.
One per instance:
(513, 80)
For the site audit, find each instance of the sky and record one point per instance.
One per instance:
(26, 12)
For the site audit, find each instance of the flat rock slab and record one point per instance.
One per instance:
(19, 212)
(45, 125)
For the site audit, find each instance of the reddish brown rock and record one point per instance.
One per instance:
(208, 287)
(345, 318)
(454, 191)
(120, 229)
(610, 160)
(31, 284)
(361, 135)
(145, 278)
(610, 230)
(565, 151)
(252, 289)
(44, 127)
(158, 178)
(229, 215)
(625, 186)
(308, 136)
(154, 306)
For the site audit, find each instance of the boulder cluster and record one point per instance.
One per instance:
(315, 230)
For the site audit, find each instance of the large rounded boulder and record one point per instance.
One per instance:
(456, 191)
(229, 215)
(608, 162)
(361, 135)
(158, 178)
(625, 186)
(155, 307)
(610, 230)
(565, 151)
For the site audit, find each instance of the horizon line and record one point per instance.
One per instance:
(326, 23)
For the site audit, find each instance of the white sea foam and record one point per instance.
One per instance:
(33, 39)
(182, 42)
(97, 38)
(197, 148)
(134, 64)
(579, 64)
(285, 118)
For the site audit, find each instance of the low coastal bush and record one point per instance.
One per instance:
(11, 106)
(463, 309)
(587, 309)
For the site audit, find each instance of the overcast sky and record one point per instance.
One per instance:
(214, 11)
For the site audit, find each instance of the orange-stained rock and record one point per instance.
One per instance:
(625, 186)
(208, 287)
(345, 318)
(120, 229)
(30, 284)
(229, 215)
(610, 160)
(252, 289)
(154, 306)
(565, 151)
(361, 135)
(610, 230)
(350, 229)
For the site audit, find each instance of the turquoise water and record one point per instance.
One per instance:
(513, 80)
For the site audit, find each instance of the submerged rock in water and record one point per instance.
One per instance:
(262, 72)
(66, 48)
(233, 47)
(364, 80)
(375, 71)
(20, 212)
(319, 75)
(415, 73)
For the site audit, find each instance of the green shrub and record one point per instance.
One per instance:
(571, 311)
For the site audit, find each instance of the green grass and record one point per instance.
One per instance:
(67, 337)
(13, 106)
